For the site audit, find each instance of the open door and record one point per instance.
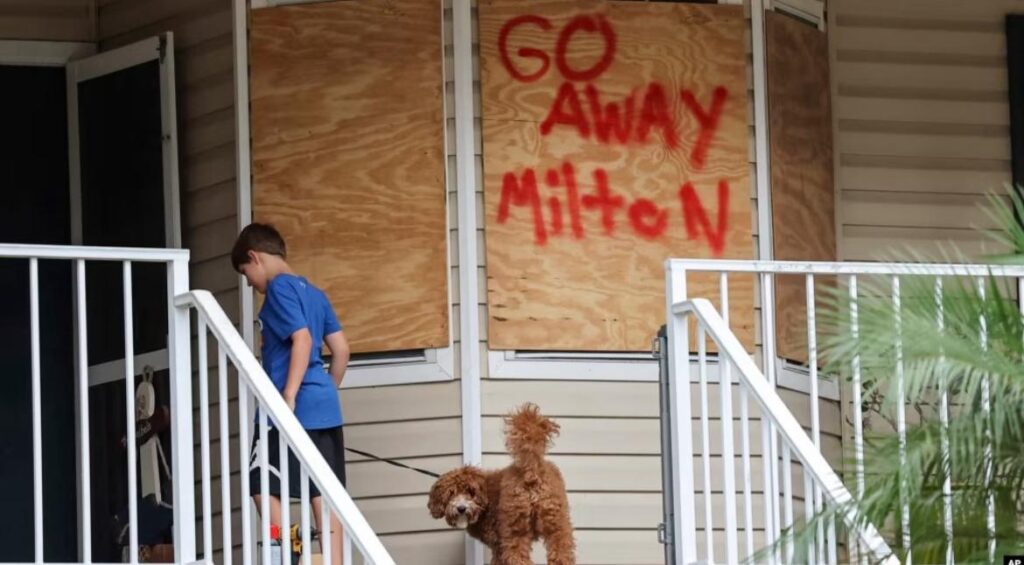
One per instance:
(123, 167)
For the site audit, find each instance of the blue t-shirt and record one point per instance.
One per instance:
(293, 303)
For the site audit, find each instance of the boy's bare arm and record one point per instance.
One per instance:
(302, 344)
(340, 354)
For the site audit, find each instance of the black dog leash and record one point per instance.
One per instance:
(393, 462)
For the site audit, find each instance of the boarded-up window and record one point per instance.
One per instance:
(800, 124)
(348, 162)
(615, 137)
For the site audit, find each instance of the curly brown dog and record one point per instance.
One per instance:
(510, 508)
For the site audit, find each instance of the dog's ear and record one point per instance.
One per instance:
(436, 503)
(480, 487)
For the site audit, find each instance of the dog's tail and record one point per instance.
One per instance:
(528, 434)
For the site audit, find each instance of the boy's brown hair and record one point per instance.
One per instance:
(257, 237)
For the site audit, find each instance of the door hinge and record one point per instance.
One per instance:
(664, 536)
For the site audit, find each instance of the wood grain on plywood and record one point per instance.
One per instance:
(800, 126)
(573, 276)
(348, 160)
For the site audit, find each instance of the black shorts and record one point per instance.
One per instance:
(329, 441)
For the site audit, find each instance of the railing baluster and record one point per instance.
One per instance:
(728, 452)
(129, 386)
(37, 410)
(947, 483)
(286, 500)
(748, 499)
(986, 410)
(787, 486)
(346, 549)
(225, 456)
(204, 439)
(833, 551)
(264, 485)
(702, 367)
(325, 531)
(809, 511)
(812, 365)
(766, 472)
(245, 466)
(858, 424)
(85, 483)
(307, 549)
(901, 417)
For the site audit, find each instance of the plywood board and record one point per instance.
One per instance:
(800, 126)
(348, 160)
(600, 162)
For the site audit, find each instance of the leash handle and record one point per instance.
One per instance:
(393, 462)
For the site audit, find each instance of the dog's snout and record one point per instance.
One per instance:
(461, 508)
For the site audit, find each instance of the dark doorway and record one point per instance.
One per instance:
(34, 181)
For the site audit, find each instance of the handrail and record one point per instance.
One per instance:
(788, 427)
(249, 369)
(843, 268)
(92, 253)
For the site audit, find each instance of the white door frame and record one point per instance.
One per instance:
(158, 48)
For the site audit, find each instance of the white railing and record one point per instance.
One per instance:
(176, 262)
(821, 485)
(252, 383)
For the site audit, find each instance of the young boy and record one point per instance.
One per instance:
(295, 321)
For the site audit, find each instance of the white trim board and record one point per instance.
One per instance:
(514, 366)
(436, 365)
(43, 53)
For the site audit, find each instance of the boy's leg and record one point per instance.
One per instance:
(275, 508)
(335, 533)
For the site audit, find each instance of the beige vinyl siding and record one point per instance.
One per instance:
(48, 20)
(922, 122)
